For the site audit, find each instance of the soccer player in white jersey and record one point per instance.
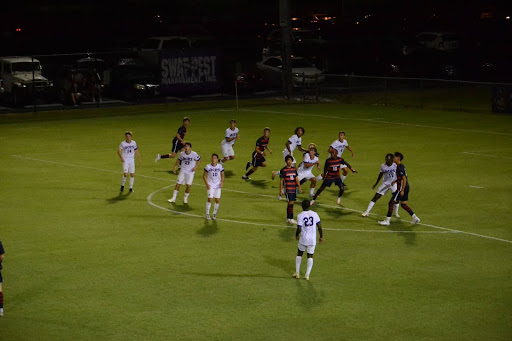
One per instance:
(127, 151)
(214, 179)
(190, 160)
(295, 141)
(388, 171)
(228, 152)
(310, 159)
(339, 145)
(307, 223)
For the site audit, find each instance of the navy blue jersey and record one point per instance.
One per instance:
(401, 173)
(182, 131)
(1, 253)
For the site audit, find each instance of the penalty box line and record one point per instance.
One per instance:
(263, 195)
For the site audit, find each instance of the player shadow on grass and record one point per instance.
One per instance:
(118, 198)
(307, 296)
(287, 235)
(209, 228)
(259, 183)
(408, 234)
(336, 212)
(181, 207)
(228, 173)
(248, 275)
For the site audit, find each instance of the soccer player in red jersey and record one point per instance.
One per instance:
(332, 174)
(258, 156)
(290, 183)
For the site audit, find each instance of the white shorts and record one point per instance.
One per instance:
(306, 175)
(227, 150)
(384, 188)
(309, 248)
(129, 166)
(214, 193)
(185, 178)
(285, 154)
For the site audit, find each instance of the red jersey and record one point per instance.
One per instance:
(289, 175)
(332, 167)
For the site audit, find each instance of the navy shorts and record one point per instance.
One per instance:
(291, 196)
(329, 182)
(397, 197)
(1, 279)
(257, 159)
(176, 145)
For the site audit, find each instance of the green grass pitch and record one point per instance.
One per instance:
(85, 263)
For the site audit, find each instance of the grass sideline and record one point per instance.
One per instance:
(83, 262)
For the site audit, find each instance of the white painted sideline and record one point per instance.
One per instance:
(343, 208)
(487, 155)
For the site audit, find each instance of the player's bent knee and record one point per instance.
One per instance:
(310, 255)
(231, 157)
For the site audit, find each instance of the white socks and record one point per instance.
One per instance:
(132, 179)
(124, 181)
(309, 266)
(186, 196)
(174, 194)
(312, 191)
(370, 206)
(319, 177)
(397, 206)
(215, 208)
(298, 260)
(343, 178)
(208, 206)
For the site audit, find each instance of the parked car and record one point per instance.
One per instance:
(304, 73)
(21, 80)
(130, 79)
(440, 41)
(150, 49)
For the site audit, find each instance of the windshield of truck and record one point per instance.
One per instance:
(26, 67)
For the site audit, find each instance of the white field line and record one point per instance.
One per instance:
(491, 150)
(379, 121)
(150, 201)
(487, 155)
(479, 187)
(249, 193)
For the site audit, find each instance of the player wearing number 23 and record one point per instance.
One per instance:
(307, 223)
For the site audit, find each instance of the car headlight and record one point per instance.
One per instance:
(139, 86)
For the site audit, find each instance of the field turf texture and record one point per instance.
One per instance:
(83, 262)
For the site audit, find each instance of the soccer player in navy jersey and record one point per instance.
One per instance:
(2, 254)
(402, 192)
(290, 183)
(332, 174)
(258, 156)
(178, 142)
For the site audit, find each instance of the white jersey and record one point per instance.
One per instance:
(188, 161)
(230, 134)
(389, 173)
(339, 146)
(295, 141)
(214, 175)
(128, 150)
(308, 220)
(307, 160)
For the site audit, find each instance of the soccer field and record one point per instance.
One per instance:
(83, 262)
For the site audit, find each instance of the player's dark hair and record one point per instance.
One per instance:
(397, 154)
(297, 130)
(389, 156)
(305, 204)
(215, 155)
(186, 119)
(341, 132)
(288, 157)
(232, 121)
(266, 128)
(128, 133)
(189, 144)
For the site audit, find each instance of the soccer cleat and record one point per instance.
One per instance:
(338, 201)
(208, 217)
(158, 157)
(214, 217)
(185, 200)
(131, 190)
(122, 189)
(384, 222)
(415, 219)
(312, 202)
(345, 185)
(306, 277)
(397, 215)
(247, 165)
(292, 221)
(296, 275)
(279, 197)
(365, 214)
(172, 200)
(274, 173)
(1, 311)
(245, 177)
